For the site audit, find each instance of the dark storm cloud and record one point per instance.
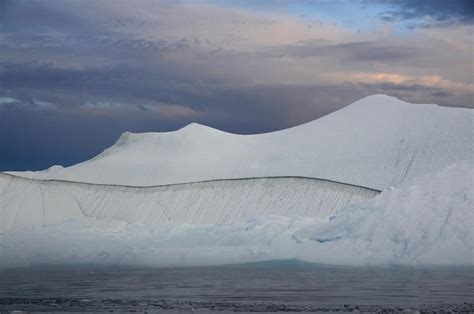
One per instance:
(23, 18)
(4, 7)
(367, 51)
(240, 108)
(232, 107)
(430, 12)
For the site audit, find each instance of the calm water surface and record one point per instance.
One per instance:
(275, 286)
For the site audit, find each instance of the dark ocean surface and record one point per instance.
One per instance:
(283, 286)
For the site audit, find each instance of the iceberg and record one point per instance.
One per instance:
(381, 181)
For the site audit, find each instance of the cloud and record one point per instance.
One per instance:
(428, 13)
(375, 51)
(8, 100)
(152, 51)
(434, 81)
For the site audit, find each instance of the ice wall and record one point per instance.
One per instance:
(35, 203)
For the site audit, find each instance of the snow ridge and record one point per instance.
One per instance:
(376, 142)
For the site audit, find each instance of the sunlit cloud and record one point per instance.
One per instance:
(427, 80)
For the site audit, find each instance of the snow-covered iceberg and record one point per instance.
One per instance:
(202, 196)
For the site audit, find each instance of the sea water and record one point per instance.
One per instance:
(289, 286)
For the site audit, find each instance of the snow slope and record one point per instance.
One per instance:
(425, 221)
(376, 142)
(26, 203)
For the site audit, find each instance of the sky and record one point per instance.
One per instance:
(76, 74)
